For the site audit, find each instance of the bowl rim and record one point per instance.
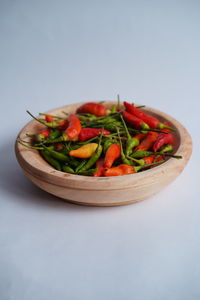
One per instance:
(42, 169)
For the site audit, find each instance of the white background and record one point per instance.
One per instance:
(54, 53)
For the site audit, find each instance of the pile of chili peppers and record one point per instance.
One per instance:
(101, 142)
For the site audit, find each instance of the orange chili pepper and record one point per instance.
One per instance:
(148, 141)
(122, 169)
(100, 168)
(113, 152)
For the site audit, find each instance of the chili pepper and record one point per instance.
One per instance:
(51, 160)
(96, 155)
(53, 124)
(107, 144)
(123, 156)
(120, 170)
(112, 154)
(74, 128)
(96, 109)
(42, 135)
(49, 118)
(54, 134)
(67, 169)
(57, 155)
(131, 142)
(63, 124)
(163, 139)
(144, 161)
(88, 133)
(166, 148)
(148, 141)
(87, 118)
(151, 121)
(90, 172)
(80, 166)
(84, 151)
(124, 169)
(141, 154)
(99, 167)
(134, 121)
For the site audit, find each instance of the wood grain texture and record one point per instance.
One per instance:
(103, 191)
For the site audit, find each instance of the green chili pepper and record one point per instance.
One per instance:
(54, 134)
(57, 155)
(67, 169)
(141, 154)
(60, 139)
(123, 156)
(166, 148)
(80, 166)
(130, 142)
(53, 162)
(88, 172)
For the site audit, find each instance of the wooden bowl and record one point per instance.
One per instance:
(103, 191)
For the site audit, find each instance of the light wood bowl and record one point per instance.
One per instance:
(103, 191)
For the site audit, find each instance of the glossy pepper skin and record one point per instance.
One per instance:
(145, 160)
(43, 134)
(134, 121)
(120, 170)
(150, 120)
(112, 153)
(49, 118)
(84, 151)
(74, 128)
(99, 167)
(53, 162)
(96, 109)
(88, 133)
(163, 139)
(148, 141)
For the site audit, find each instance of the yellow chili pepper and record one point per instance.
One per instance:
(84, 151)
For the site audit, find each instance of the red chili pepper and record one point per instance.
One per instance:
(148, 141)
(74, 127)
(62, 124)
(163, 139)
(42, 134)
(88, 133)
(122, 169)
(150, 120)
(149, 159)
(49, 118)
(112, 153)
(134, 121)
(96, 109)
(100, 168)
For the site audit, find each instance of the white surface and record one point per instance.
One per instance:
(58, 52)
